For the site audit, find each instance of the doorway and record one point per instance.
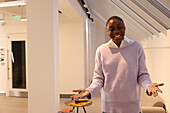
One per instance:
(17, 76)
(18, 65)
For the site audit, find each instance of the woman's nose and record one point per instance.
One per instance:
(116, 31)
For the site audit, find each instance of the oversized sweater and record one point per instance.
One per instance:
(120, 73)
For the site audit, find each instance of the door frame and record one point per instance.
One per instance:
(15, 91)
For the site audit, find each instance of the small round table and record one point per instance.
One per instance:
(78, 105)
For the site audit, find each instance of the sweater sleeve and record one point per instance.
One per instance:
(98, 77)
(143, 75)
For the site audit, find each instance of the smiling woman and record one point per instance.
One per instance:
(120, 72)
(116, 29)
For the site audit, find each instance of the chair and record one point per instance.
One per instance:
(152, 104)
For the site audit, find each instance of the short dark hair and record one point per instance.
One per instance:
(114, 17)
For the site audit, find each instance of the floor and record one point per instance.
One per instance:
(20, 105)
(13, 105)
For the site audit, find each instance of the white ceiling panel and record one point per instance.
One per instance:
(153, 12)
(165, 3)
(108, 9)
(161, 7)
(143, 22)
(143, 17)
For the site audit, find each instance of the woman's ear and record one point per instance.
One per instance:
(107, 31)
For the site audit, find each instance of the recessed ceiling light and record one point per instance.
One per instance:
(12, 3)
(2, 20)
(23, 19)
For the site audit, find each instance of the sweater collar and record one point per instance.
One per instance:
(124, 43)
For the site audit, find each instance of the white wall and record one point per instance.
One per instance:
(71, 47)
(14, 25)
(72, 53)
(98, 37)
(16, 30)
(157, 52)
(3, 68)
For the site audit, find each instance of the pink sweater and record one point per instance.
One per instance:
(120, 73)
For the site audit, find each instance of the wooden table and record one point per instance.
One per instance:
(78, 105)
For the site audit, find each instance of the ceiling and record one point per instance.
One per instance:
(144, 19)
(7, 0)
(68, 15)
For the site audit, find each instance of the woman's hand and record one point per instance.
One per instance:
(82, 93)
(153, 89)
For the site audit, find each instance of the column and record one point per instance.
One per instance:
(43, 56)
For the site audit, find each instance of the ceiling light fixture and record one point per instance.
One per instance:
(82, 2)
(85, 8)
(23, 18)
(60, 11)
(13, 3)
(2, 20)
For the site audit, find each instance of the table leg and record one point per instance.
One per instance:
(73, 108)
(84, 109)
(77, 109)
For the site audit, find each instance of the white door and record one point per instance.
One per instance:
(17, 68)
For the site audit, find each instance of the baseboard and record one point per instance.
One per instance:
(18, 94)
(2, 93)
(25, 94)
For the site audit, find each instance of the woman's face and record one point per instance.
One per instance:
(116, 29)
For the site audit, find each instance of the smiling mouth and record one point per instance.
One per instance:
(116, 36)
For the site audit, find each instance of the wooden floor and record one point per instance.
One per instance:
(13, 105)
(20, 105)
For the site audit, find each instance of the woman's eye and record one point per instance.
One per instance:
(111, 29)
(119, 28)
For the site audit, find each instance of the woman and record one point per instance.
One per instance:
(120, 71)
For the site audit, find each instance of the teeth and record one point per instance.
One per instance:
(117, 36)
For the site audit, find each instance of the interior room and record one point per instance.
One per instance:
(48, 49)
